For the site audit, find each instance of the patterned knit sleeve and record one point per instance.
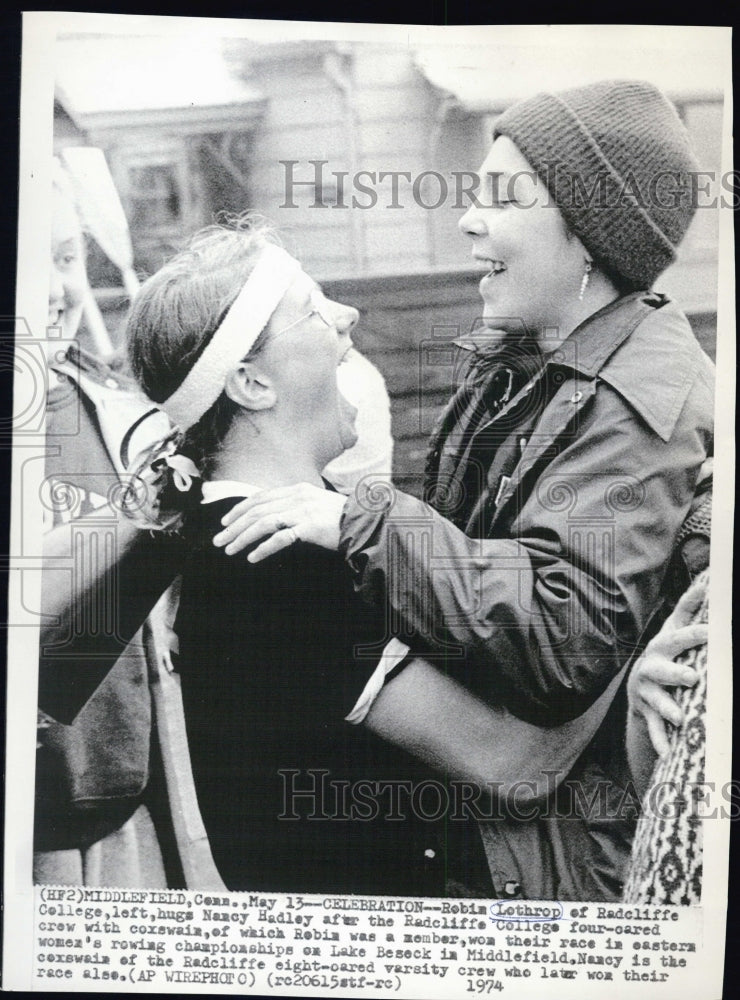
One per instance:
(666, 862)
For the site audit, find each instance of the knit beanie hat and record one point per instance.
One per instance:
(617, 162)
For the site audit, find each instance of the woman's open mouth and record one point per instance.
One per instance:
(493, 267)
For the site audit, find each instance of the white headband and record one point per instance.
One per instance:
(234, 339)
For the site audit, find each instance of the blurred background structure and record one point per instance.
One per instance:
(192, 126)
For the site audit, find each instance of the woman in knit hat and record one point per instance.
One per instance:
(587, 195)
(560, 472)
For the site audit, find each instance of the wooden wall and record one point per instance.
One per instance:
(386, 121)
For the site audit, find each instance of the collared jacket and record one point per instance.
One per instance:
(540, 593)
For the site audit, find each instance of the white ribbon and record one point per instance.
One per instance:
(184, 470)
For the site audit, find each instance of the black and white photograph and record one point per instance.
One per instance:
(362, 631)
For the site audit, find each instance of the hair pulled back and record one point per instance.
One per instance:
(174, 317)
(179, 309)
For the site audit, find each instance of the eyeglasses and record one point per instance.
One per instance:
(319, 307)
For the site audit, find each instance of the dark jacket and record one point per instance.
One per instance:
(540, 592)
(94, 738)
(293, 798)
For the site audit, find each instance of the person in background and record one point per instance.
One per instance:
(560, 473)
(94, 776)
(666, 735)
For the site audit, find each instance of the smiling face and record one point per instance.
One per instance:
(306, 340)
(534, 267)
(68, 278)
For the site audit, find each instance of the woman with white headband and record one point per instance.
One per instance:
(280, 662)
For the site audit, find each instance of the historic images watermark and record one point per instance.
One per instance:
(312, 794)
(458, 189)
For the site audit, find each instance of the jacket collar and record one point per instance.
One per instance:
(643, 347)
(129, 422)
(591, 344)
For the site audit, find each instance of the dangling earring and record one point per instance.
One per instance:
(584, 280)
